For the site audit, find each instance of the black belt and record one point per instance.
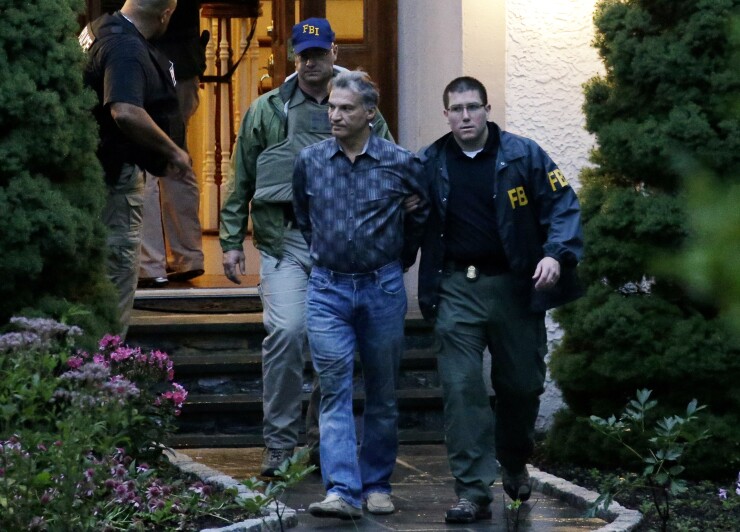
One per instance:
(474, 270)
(289, 219)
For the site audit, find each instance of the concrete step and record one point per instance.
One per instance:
(217, 357)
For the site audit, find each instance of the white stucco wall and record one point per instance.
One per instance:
(429, 56)
(532, 55)
(548, 57)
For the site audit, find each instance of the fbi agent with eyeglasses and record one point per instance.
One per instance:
(501, 246)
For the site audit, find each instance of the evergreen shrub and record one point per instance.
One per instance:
(666, 98)
(51, 185)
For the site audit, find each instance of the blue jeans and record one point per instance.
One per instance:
(364, 311)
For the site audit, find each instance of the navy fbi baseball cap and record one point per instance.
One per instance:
(312, 33)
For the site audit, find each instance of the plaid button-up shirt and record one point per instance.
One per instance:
(352, 214)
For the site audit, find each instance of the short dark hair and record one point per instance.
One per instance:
(462, 84)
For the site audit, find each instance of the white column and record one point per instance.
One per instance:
(224, 130)
(209, 196)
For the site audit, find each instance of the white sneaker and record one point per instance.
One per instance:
(379, 503)
(334, 506)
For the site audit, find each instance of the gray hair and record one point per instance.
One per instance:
(358, 81)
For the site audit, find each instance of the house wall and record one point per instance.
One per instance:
(549, 56)
(532, 55)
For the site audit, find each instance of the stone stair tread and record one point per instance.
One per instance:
(200, 440)
(233, 360)
(235, 401)
(217, 356)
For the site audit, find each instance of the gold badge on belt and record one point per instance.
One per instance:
(471, 274)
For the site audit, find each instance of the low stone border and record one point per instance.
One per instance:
(217, 478)
(620, 519)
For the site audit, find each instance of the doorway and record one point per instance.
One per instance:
(366, 35)
(367, 38)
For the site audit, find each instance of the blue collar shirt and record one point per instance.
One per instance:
(351, 213)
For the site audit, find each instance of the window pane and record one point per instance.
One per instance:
(347, 18)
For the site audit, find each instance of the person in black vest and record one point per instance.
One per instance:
(141, 126)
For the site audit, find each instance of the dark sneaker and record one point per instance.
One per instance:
(272, 459)
(517, 486)
(466, 511)
(334, 506)
(180, 277)
(152, 282)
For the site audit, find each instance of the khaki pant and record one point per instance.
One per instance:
(123, 218)
(172, 235)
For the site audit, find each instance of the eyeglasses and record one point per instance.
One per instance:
(314, 54)
(469, 107)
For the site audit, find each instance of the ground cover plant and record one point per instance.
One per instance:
(655, 488)
(704, 505)
(81, 438)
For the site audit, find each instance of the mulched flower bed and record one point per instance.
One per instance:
(700, 508)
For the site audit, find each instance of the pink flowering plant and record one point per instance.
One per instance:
(78, 429)
(135, 383)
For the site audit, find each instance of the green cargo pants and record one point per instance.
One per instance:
(491, 312)
(122, 215)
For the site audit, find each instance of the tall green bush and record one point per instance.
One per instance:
(667, 96)
(52, 242)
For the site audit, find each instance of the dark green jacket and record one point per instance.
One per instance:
(264, 125)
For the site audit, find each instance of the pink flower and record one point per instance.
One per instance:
(200, 489)
(153, 491)
(124, 353)
(177, 396)
(75, 362)
(155, 505)
(109, 342)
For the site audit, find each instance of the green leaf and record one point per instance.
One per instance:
(661, 479)
(677, 487)
(42, 479)
(643, 395)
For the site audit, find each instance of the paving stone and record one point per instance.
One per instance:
(422, 490)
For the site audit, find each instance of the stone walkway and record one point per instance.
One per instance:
(422, 491)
